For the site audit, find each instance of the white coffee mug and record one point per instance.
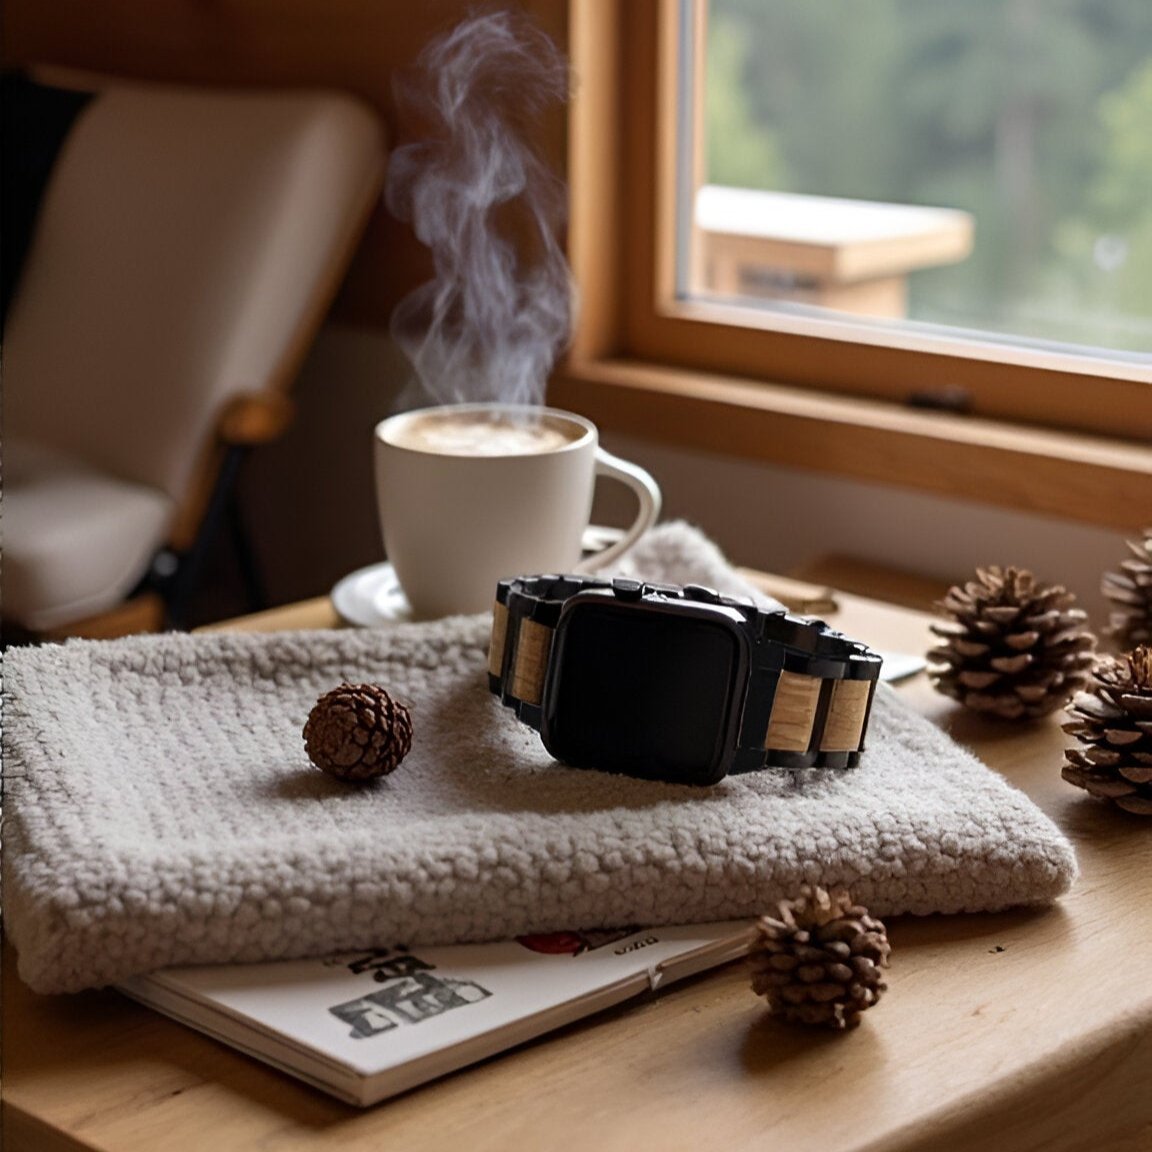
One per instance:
(469, 494)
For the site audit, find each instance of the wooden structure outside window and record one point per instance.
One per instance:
(850, 255)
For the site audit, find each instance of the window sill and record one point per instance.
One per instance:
(1100, 481)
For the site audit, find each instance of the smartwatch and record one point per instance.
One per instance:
(676, 683)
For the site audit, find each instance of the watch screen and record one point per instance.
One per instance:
(642, 692)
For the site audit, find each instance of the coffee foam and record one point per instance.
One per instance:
(485, 434)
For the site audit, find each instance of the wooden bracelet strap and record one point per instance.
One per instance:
(796, 707)
(528, 638)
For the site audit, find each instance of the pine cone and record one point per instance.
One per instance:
(820, 962)
(1013, 647)
(1113, 722)
(1130, 589)
(357, 732)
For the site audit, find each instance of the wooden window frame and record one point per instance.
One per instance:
(704, 376)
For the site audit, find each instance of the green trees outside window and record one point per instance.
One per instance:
(1033, 115)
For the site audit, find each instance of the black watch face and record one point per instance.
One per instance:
(647, 692)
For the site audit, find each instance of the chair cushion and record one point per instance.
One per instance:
(183, 245)
(76, 540)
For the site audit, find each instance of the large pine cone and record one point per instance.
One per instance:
(1113, 723)
(357, 732)
(1013, 647)
(1130, 590)
(819, 961)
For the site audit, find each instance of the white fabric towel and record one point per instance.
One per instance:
(160, 809)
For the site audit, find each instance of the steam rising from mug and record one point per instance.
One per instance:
(489, 326)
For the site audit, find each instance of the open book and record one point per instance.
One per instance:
(367, 1025)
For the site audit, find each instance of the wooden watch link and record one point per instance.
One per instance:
(676, 683)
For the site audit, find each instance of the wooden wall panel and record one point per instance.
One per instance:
(356, 45)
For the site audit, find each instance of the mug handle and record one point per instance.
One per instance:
(647, 493)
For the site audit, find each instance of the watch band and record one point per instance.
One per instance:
(809, 691)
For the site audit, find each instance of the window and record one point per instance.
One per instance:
(979, 172)
(798, 381)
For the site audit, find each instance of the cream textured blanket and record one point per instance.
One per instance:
(160, 810)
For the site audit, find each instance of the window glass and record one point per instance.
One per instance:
(981, 169)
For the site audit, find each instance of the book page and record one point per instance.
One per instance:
(374, 1010)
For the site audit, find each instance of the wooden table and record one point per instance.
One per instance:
(1026, 1030)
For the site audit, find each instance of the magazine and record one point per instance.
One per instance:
(368, 1025)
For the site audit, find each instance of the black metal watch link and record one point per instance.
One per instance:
(676, 683)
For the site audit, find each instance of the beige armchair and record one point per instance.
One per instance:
(187, 247)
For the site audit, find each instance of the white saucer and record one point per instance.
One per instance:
(370, 597)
